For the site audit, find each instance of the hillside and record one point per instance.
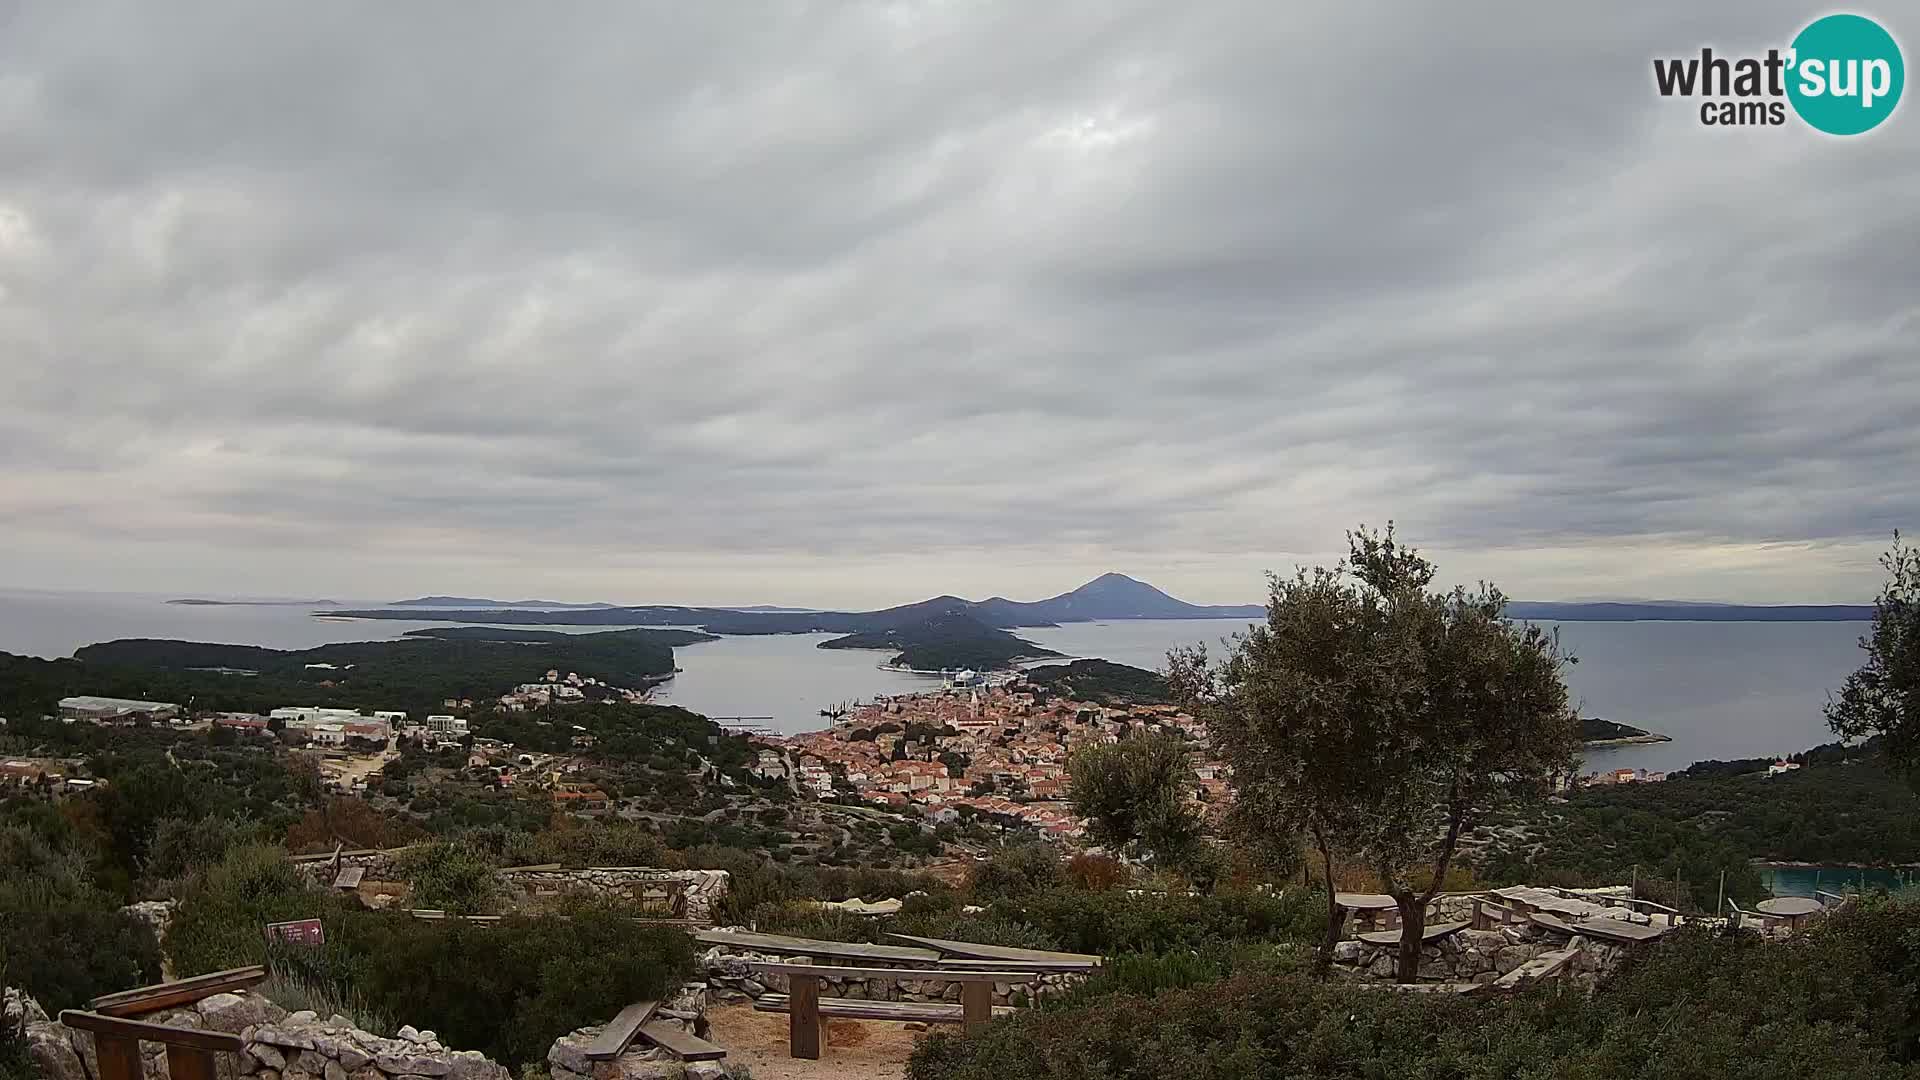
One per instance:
(1102, 681)
(1109, 596)
(416, 673)
(950, 640)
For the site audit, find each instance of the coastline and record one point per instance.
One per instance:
(1630, 740)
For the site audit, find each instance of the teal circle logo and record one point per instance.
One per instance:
(1846, 74)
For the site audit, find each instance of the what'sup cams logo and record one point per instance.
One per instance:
(1842, 75)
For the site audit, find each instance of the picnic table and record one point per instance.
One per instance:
(1373, 911)
(1789, 909)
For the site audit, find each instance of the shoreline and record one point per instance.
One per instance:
(1647, 739)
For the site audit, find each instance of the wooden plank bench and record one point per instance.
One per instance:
(968, 950)
(837, 950)
(636, 1021)
(808, 1010)
(1427, 936)
(166, 995)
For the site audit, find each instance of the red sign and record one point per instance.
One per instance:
(297, 932)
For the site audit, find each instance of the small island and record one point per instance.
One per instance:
(1597, 732)
(193, 601)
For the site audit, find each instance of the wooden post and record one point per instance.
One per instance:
(1721, 904)
(805, 1027)
(976, 1005)
(189, 1063)
(119, 1057)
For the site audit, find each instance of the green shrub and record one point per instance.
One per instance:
(1835, 1002)
(1017, 871)
(223, 916)
(1117, 921)
(453, 876)
(62, 939)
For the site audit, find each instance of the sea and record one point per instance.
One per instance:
(1717, 689)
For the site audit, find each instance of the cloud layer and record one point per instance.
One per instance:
(851, 303)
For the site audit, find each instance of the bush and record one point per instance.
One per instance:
(1016, 871)
(61, 939)
(453, 876)
(222, 918)
(1118, 921)
(1834, 1002)
(508, 989)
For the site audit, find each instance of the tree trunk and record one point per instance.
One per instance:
(1336, 918)
(1413, 924)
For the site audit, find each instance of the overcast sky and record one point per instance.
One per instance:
(849, 304)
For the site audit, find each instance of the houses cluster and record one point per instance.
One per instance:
(338, 728)
(50, 776)
(569, 689)
(1626, 776)
(998, 752)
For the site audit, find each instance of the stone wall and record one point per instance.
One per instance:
(700, 890)
(279, 1046)
(730, 979)
(1477, 956)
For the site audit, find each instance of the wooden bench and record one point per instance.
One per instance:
(808, 1010)
(166, 995)
(1428, 935)
(636, 1021)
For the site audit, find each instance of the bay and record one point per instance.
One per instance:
(1719, 690)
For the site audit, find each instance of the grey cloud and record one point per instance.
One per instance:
(893, 297)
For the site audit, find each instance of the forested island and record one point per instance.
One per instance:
(414, 674)
(949, 641)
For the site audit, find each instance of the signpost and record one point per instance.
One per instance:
(297, 932)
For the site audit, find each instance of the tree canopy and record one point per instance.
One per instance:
(1883, 697)
(1134, 795)
(1380, 717)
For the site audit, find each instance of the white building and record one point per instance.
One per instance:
(447, 725)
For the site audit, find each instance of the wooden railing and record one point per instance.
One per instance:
(116, 1043)
(190, 1051)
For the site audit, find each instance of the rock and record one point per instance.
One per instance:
(424, 1037)
(283, 1036)
(1347, 952)
(366, 1072)
(268, 1074)
(408, 1032)
(234, 1013)
(571, 1055)
(19, 1010)
(1511, 957)
(705, 1070)
(267, 1054)
(1382, 967)
(915, 1025)
(404, 1064)
(338, 1021)
(352, 1058)
(304, 1016)
(52, 1052)
(333, 1070)
(473, 1065)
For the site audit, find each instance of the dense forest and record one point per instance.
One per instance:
(1842, 806)
(415, 674)
(1102, 681)
(945, 642)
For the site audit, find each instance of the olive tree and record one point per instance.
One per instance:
(1381, 718)
(1882, 698)
(1135, 796)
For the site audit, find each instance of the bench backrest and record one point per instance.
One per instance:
(829, 971)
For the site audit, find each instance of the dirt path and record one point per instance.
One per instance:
(855, 1050)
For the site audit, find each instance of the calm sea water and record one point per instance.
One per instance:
(1721, 690)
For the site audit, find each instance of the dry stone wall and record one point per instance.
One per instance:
(700, 890)
(729, 978)
(1477, 956)
(279, 1046)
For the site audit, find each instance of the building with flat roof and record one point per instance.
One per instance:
(110, 710)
